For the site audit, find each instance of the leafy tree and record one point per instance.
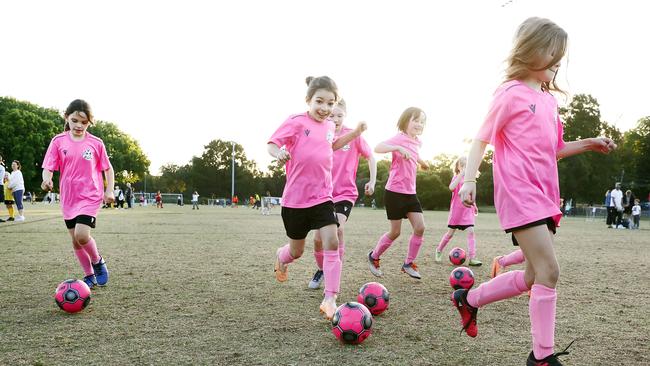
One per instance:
(127, 158)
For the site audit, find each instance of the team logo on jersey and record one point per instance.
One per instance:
(330, 136)
(87, 154)
(532, 108)
(346, 147)
(307, 132)
(65, 152)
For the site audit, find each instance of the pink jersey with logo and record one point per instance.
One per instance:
(401, 178)
(81, 164)
(345, 164)
(525, 129)
(309, 171)
(458, 213)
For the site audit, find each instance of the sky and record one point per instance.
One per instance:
(177, 74)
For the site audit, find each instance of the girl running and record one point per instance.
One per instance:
(400, 197)
(81, 159)
(306, 142)
(344, 182)
(524, 127)
(460, 217)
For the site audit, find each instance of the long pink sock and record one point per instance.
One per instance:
(341, 249)
(332, 272)
(542, 319)
(471, 245)
(318, 255)
(383, 244)
(415, 242)
(443, 242)
(515, 257)
(91, 248)
(84, 260)
(285, 255)
(503, 286)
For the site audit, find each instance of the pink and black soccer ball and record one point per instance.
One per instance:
(461, 277)
(72, 295)
(457, 256)
(374, 296)
(352, 323)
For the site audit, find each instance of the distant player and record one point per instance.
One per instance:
(524, 127)
(309, 140)
(195, 200)
(81, 157)
(344, 182)
(460, 217)
(400, 197)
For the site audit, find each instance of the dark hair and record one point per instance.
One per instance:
(17, 163)
(78, 105)
(321, 82)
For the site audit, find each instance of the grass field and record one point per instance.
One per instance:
(197, 287)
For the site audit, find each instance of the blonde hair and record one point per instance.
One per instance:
(405, 118)
(455, 165)
(536, 37)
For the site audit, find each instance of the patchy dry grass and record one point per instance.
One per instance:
(197, 287)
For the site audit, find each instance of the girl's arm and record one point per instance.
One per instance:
(467, 192)
(383, 148)
(47, 184)
(345, 139)
(423, 164)
(280, 154)
(454, 182)
(599, 144)
(372, 166)
(109, 196)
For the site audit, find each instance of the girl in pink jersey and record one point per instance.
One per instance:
(400, 197)
(524, 127)
(460, 217)
(344, 191)
(81, 159)
(306, 142)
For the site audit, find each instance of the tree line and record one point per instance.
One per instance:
(27, 129)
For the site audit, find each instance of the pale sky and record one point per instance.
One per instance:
(177, 74)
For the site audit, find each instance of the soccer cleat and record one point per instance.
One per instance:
(90, 280)
(550, 360)
(373, 264)
(281, 269)
(316, 280)
(101, 272)
(438, 256)
(411, 269)
(328, 307)
(475, 262)
(10, 219)
(496, 269)
(20, 218)
(467, 312)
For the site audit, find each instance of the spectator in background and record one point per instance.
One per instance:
(195, 200)
(128, 193)
(179, 200)
(9, 198)
(2, 184)
(636, 214)
(628, 202)
(159, 202)
(608, 199)
(17, 186)
(616, 205)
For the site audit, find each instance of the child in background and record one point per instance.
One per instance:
(524, 127)
(636, 214)
(81, 160)
(306, 142)
(9, 198)
(344, 183)
(400, 197)
(460, 217)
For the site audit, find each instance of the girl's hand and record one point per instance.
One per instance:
(361, 126)
(283, 156)
(424, 165)
(404, 152)
(370, 188)
(109, 196)
(467, 193)
(47, 185)
(603, 145)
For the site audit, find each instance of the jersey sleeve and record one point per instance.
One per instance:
(285, 135)
(560, 134)
(497, 116)
(51, 161)
(364, 148)
(103, 163)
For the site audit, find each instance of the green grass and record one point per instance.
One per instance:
(197, 287)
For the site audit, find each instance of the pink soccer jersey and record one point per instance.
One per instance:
(458, 213)
(81, 164)
(525, 129)
(309, 171)
(345, 164)
(401, 178)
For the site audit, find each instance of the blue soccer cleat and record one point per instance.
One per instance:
(101, 272)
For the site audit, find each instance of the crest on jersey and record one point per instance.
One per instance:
(346, 147)
(87, 154)
(330, 136)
